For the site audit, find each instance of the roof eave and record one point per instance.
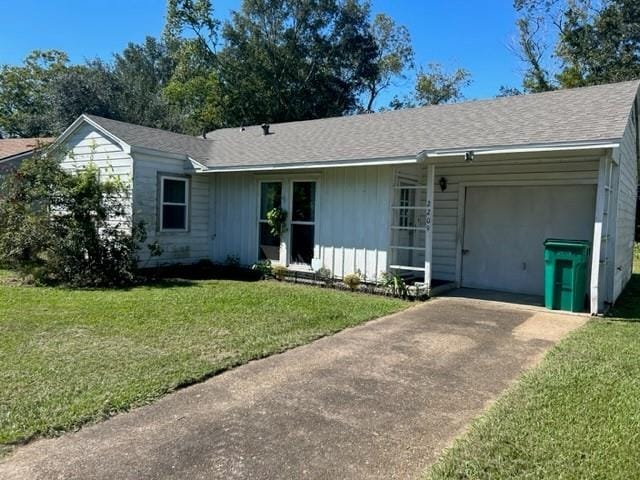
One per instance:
(309, 165)
(432, 155)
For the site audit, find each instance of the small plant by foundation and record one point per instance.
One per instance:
(279, 272)
(352, 280)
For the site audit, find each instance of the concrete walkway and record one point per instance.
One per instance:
(377, 401)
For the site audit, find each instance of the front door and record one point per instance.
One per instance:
(303, 222)
(505, 227)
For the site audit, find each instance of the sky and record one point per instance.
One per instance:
(472, 34)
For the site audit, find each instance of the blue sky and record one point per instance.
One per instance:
(468, 33)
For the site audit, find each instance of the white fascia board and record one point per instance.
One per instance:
(328, 164)
(426, 155)
(84, 119)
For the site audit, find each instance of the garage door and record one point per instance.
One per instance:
(505, 227)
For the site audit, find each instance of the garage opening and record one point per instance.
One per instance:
(505, 227)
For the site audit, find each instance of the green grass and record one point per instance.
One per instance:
(68, 357)
(576, 416)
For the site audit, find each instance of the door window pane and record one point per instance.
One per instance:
(269, 248)
(302, 242)
(270, 197)
(304, 195)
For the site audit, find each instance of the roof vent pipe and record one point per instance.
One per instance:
(265, 129)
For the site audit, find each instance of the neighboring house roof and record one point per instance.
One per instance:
(11, 147)
(575, 116)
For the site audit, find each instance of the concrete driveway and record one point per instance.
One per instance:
(377, 401)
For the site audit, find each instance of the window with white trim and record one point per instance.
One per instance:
(174, 203)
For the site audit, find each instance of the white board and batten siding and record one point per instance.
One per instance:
(178, 247)
(352, 216)
(627, 157)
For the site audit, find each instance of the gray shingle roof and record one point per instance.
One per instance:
(153, 138)
(587, 114)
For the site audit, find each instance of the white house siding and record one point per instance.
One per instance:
(88, 145)
(352, 216)
(178, 247)
(627, 155)
(449, 206)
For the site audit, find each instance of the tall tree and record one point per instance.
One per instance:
(395, 56)
(78, 89)
(25, 104)
(295, 59)
(142, 71)
(435, 86)
(569, 43)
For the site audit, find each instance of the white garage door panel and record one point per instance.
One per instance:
(505, 228)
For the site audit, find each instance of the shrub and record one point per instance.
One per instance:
(352, 280)
(279, 272)
(232, 261)
(394, 284)
(71, 228)
(263, 267)
(324, 275)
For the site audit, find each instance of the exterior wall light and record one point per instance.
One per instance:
(469, 156)
(443, 183)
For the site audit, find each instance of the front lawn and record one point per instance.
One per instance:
(576, 416)
(68, 357)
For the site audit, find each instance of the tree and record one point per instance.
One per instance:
(595, 41)
(395, 56)
(295, 60)
(601, 46)
(142, 72)
(25, 104)
(90, 88)
(434, 86)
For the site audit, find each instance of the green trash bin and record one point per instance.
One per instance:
(565, 274)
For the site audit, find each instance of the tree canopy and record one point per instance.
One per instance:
(572, 43)
(271, 61)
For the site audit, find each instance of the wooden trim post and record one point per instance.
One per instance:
(428, 223)
(597, 237)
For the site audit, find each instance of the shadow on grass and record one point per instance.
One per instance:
(627, 306)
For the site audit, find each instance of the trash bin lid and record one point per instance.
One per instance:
(558, 242)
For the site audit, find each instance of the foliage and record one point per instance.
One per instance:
(232, 260)
(277, 221)
(295, 60)
(394, 284)
(270, 62)
(70, 228)
(142, 73)
(352, 280)
(325, 275)
(395, 55)
(25, 106)
(572, 43)
(264, 267)
(435, 86)
(279, 272)
(68, 357)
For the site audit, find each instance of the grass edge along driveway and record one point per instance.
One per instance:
(68, 357)
(575, 416)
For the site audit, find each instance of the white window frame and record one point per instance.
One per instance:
(185, 180)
